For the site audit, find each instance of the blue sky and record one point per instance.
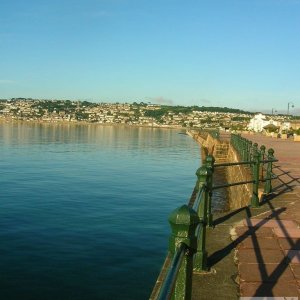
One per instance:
(234, 53)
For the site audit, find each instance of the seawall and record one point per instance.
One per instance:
(239, 195)
(210, 145)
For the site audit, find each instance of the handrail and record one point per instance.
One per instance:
(198, 198)
(182, 247)
(250, 151)
(231, 184)
(251, 162)
(234, 164)
(168, 286)
(269, 160)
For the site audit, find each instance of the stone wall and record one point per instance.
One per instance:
(239, 195)
(210, 145)
(297, 138)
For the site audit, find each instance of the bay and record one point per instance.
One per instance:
(84, 208)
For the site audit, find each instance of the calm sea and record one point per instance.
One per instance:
(83, 209)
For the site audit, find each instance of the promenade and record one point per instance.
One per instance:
(268, 244)
(255, 252)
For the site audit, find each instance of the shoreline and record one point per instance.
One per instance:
(64, 122)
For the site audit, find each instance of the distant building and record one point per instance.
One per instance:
(295, 124)
(259, 121)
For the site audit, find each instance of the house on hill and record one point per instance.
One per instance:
(258, 122)
(261, 123)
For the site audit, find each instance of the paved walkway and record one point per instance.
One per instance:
(268, 245)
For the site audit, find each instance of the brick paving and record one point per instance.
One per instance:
(268, 244)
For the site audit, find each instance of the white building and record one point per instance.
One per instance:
(259, 121)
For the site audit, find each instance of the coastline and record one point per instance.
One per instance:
(64, 122)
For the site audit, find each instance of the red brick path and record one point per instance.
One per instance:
(268, 251)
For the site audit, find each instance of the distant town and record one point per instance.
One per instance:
(141, 114)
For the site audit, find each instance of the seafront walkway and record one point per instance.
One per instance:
(268, 244)
(255, 252)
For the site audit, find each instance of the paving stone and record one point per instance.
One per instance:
(269, 223)
(261, 289)
(293, 255)
(262, 256)
(259, 232)
(258, 242)
(285, 216)
(296, 270)
(287, 232)
(265, 272)
(287, 244)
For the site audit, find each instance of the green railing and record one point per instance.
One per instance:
(187, 241)
(214, 133)
(187, 244)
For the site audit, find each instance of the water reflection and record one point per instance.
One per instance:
(83, 210)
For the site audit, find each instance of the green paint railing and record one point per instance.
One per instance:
(182, 246)
(201, 206)
(187, 245)
(214, 133)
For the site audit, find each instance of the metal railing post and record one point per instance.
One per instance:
(262, 158)
(209, 163)
(200, 261)
(254, 147)
(255, 176)
(268, 183)
(240, 146)
(250, 150)
(183, 221)
(245, 148)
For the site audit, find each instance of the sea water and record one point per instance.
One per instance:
(84, 208)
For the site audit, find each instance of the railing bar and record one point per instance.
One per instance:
(234, 164)
(242, 182)
(198, 199)
(232, 184)
(168, 286)
(244, 163)
(269, 160)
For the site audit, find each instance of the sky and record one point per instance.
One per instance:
(233, 53)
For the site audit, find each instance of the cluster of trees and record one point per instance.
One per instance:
(295, 117)
(189, 109)
(157, 114)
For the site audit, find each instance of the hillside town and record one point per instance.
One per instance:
(144, 114)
